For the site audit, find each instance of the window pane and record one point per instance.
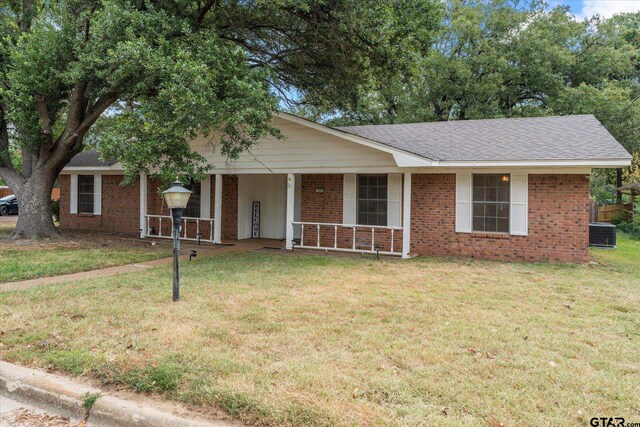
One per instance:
(490, 224)
(491, 180)
(478, 209)
(490, 209)
(478, 193)
(503, 194)
(503, 225)
(503, 210)
(478, 223)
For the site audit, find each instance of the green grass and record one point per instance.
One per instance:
(21, 264)
(316, 340)
(21, 260)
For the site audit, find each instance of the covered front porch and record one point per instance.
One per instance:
(358, 213)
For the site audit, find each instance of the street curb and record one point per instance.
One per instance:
(65, 397)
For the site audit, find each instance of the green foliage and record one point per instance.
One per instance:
(631, 228)
(89, 399)
(55, 209)
(159, 73)
(74, 361)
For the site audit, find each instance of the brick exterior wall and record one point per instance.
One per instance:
(229, 206)
(558, 221)
(558, 217)
(120, 207)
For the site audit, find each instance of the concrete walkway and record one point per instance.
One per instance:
(102, 272)
(203, 250)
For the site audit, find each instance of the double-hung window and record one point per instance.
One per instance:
(86, 194)
(491, 199)
(372, 199)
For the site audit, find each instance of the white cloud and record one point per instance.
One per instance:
(608, 8)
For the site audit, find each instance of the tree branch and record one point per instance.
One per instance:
(43, 114)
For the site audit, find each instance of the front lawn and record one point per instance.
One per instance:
(318, 340)
(20, 260)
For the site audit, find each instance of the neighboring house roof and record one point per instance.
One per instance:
(88, 159)
(579, 137)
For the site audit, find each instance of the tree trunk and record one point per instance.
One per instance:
(618, 185)
(35, 220)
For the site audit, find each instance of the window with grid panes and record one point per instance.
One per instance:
(372, 199)
(491, 198)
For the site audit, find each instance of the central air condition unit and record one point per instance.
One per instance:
(602, 234)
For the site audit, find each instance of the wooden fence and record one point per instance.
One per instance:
(606, 213)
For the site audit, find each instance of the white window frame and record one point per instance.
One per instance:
(97, 195)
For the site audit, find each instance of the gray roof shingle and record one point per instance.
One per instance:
(578, 137)
(89, 158)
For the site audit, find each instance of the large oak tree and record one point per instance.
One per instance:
(161, 71)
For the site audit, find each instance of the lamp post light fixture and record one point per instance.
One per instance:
(176, 197)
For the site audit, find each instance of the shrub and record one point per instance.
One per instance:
(55, 209)
(632, 228)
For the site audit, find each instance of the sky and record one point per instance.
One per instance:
(605, 8)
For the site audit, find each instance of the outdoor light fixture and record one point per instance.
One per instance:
(177, 198)
(505, 178)
(320, 190)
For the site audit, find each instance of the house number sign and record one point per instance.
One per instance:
(255, 220)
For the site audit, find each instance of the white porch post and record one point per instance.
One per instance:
(291, 193)
(143, 206)
(217, 210)
(406, 216)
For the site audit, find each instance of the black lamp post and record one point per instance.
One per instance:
(176, 197)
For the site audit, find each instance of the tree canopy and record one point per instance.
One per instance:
(161, 70)
(503, 58)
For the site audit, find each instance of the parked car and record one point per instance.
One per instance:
(8, 205)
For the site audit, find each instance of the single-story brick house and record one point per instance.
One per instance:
(513, 189)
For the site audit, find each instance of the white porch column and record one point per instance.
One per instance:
(143, 206)
(406, 216)
(291, 196)
(217, 210)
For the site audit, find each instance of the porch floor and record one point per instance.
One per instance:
(231, 246)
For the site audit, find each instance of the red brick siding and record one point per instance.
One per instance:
(558, 221)
(229, 206)
(120, 207)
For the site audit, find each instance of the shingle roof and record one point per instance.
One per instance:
(89, 158)
(579, 137)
